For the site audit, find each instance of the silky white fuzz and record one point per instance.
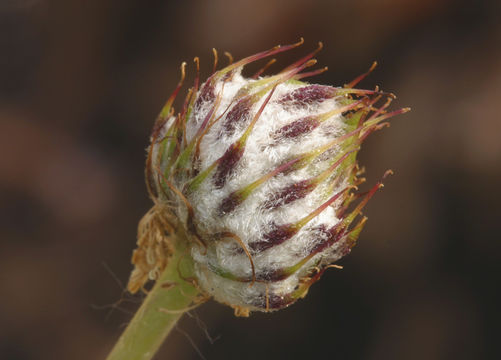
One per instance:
(260, 172)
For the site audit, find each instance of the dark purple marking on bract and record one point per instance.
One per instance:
(227, 164)
(308, 95)
(297, 128)
(206, 94)
(230, 203)
(279, 302)
(278, 235)
(325, 238)
(238, 114)
(289, 194)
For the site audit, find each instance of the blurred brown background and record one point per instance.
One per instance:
(80, 85)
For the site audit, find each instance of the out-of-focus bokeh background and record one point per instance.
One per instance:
(80, 85)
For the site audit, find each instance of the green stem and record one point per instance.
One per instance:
(169, 299)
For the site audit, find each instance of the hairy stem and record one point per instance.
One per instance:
(169, 299)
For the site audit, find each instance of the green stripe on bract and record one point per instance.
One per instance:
(167, 149)
(184, 158)
(223, 273)
(355, 232)
(194, 184)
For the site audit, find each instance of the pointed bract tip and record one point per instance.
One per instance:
(387, 173)
(229, 56)
(214, 53)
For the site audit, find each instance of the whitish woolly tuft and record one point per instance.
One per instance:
(260, 172)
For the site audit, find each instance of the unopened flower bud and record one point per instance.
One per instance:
(261, 174)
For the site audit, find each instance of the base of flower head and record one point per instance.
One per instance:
(154, 247)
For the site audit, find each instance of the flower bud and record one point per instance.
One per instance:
(261, 175)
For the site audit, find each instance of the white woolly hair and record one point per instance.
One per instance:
(249, 220)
